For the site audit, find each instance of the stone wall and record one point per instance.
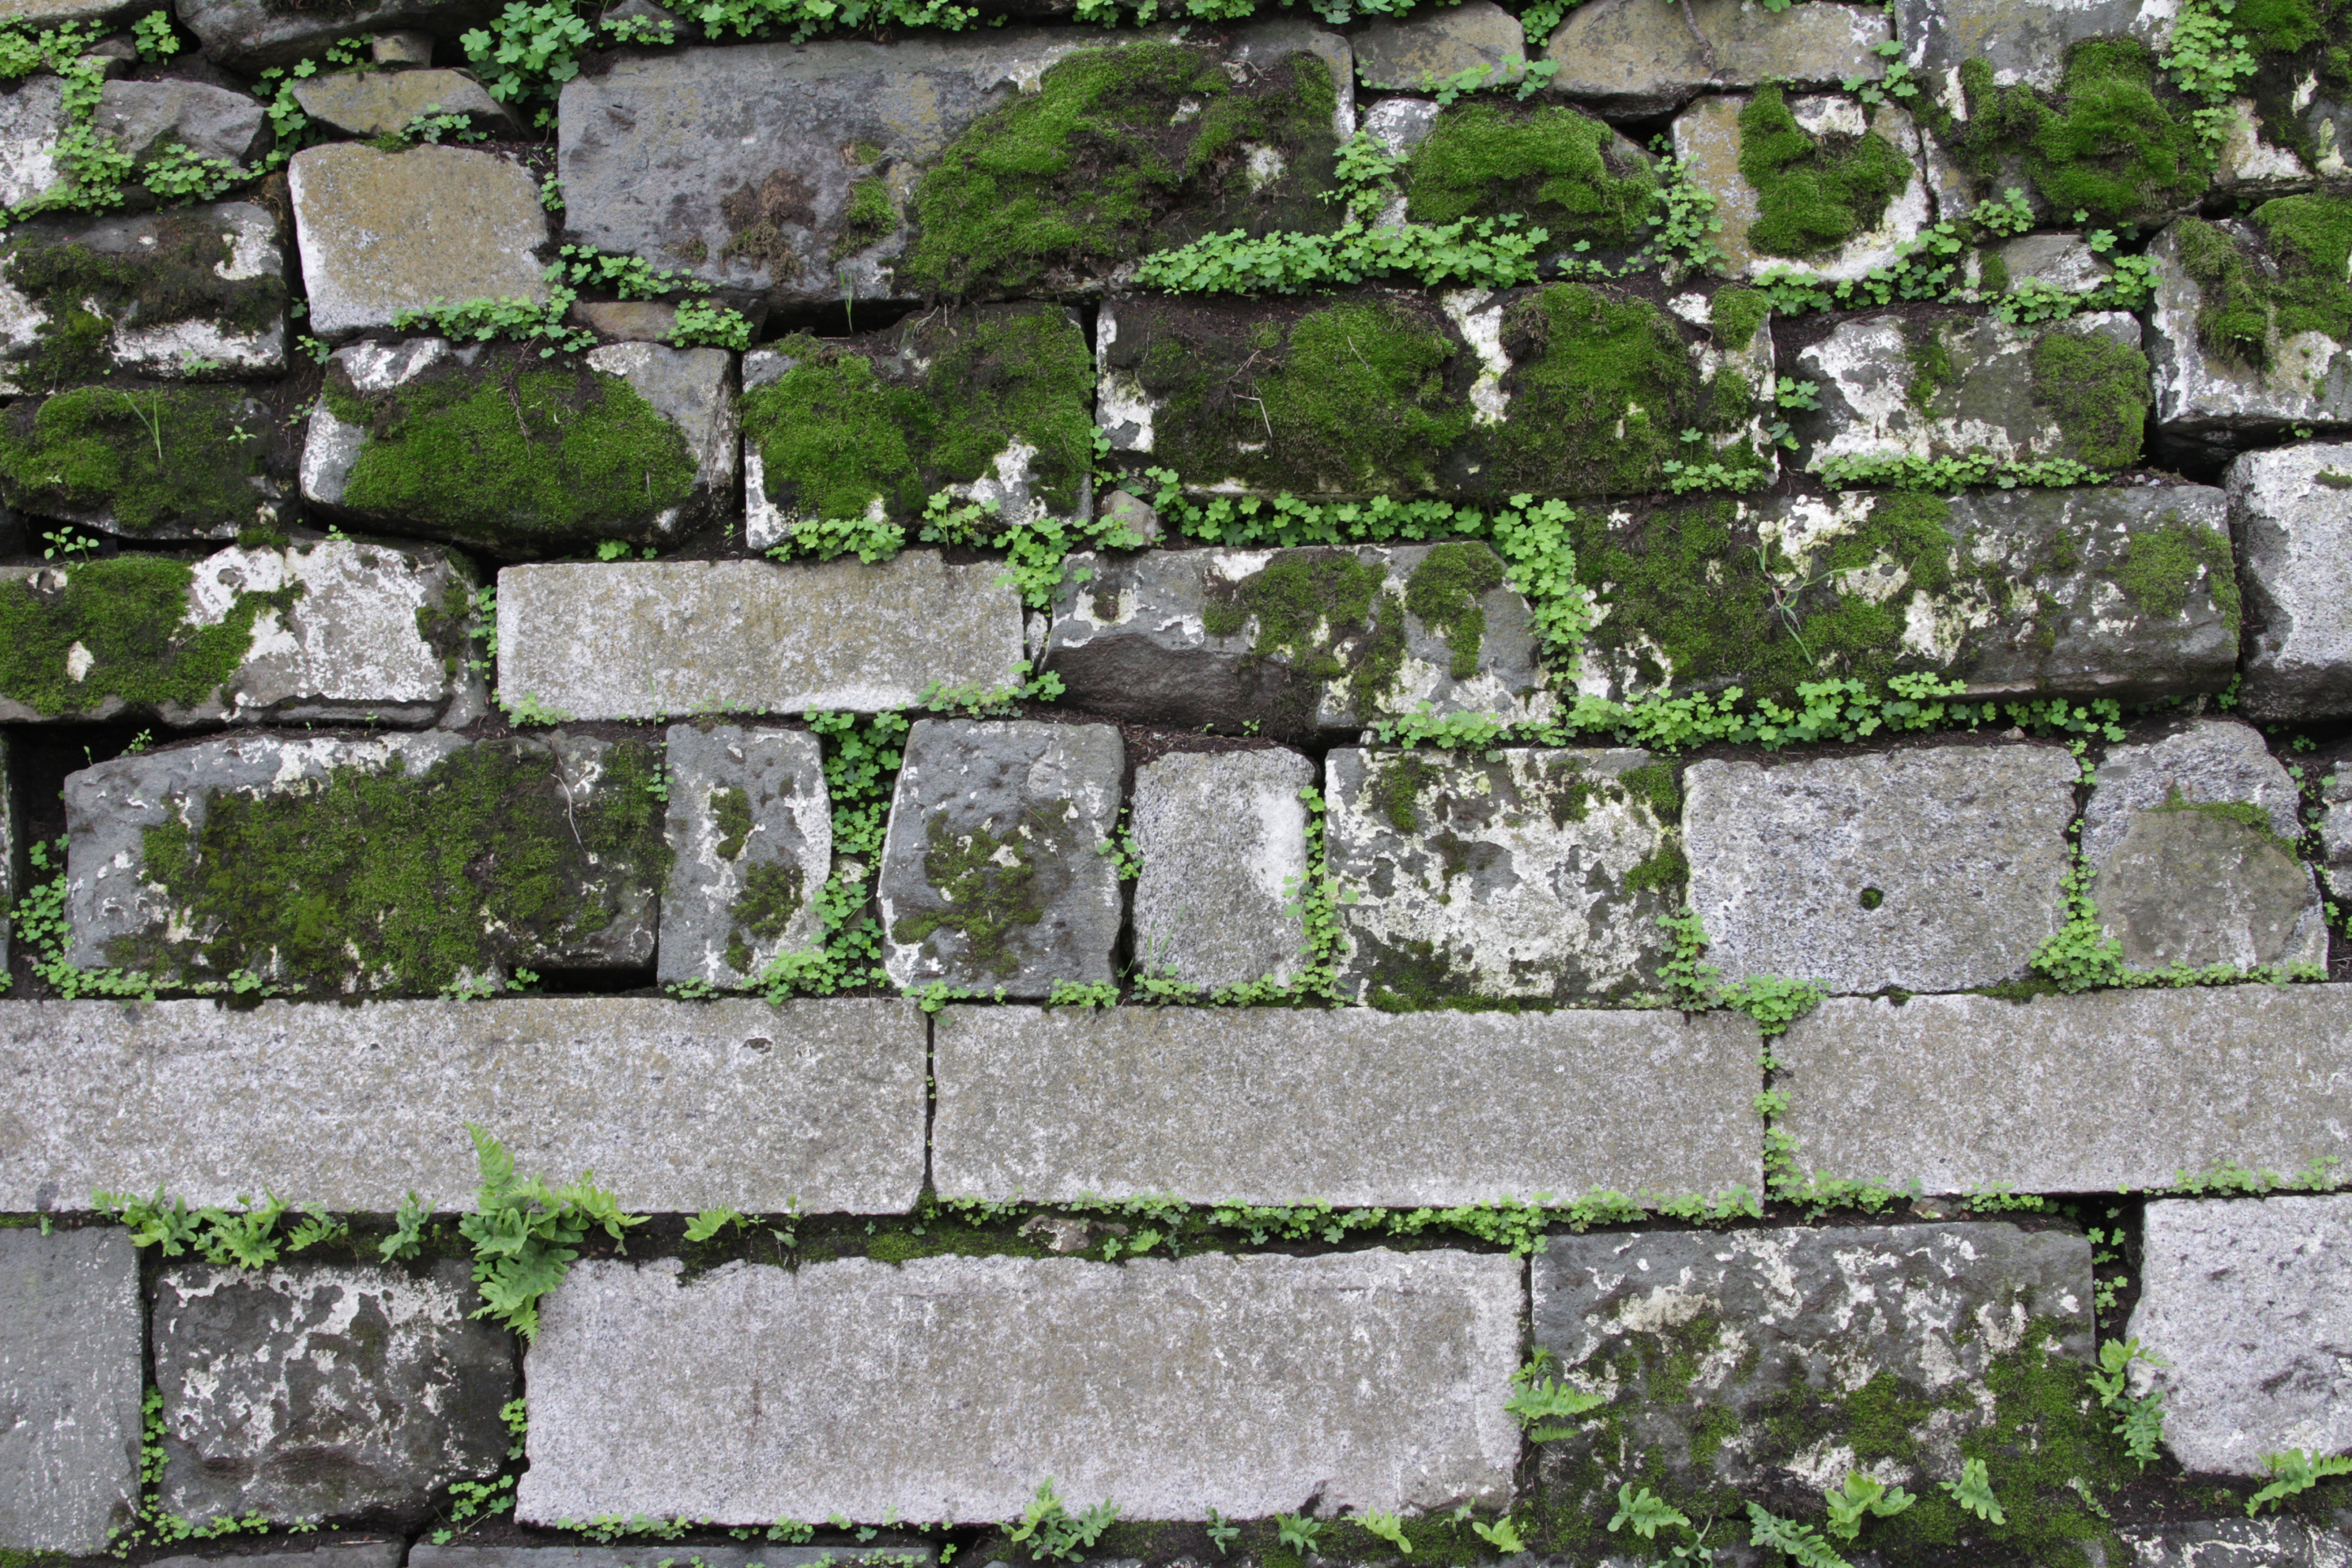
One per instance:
(800, 784)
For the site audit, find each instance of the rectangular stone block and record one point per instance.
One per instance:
(676, 1106)
(650, 638)
(948, 1388)
(2291, 508)
(73, 1340)
(2086, 1094)
(380, 233)
(1223, 836)
(2253, 387)
(460, 1554)
(750, 840)
(1350, 1106)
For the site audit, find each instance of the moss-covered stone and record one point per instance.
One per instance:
(2098, 391)
(71, 638)
(2250, 301)
(171, 462)
(1813, 193)
(2116, 141)
(1571, 175)
(2162, 565)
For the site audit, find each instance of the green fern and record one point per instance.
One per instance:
(2297, 1471)
(525, 1235)
(1973, 1491)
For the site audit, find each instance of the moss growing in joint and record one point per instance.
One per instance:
(988, 888)
(145, 457)
(1734, 313)
(1812, 194)
(2098, 388)
(2162, 565)
(1567, 173)
(84, 294)
(1442, 594)
(128, 617)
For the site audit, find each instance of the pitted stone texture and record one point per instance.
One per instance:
(1510, 873)
(1400, 124)
(1266, 1105)
(751, 838)
(33, 119)
(380, 103)
(676, 1106)
(2061, 261)
(380, 233)
(644, 639)
(1791, 1322)
(2176, 884)
(1423, 53)
(310, 1393)
(994, 875)
(2023, 40)
(146, 117)
(2204, 396)
(13, 865)
(1707, 138)
(1223, 837)
(2085, 1093)
(246, 35)
(1246, 1385)
(2269, 1542)
(1132, 637)
(1965, 847)
(72, 1346)
(1631, 59)
(2249, 1303)
(2291, 511)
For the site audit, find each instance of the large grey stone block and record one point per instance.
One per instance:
(380, 233)
(72, 1347)
(1223, 837)
(1631, 59)
(1352, 1107)
(1929, 868)
(2250, 1302)
(950, 1388)
(751, 841)
(995, 870)
(246, 35)
(2269, 1543)
(305, 1392)
(2291, 511)
(1510, 873)
(676, 1106)
(2024, 41)
(32, 121)
(147, 118)
(2234, 394)
(1419, 54)
(380, 103)
(2085, 1093)
(1706, 138)
(649, 639)
(463, 1554)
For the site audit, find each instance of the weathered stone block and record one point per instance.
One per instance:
(2060, 261)
(72, 1347)
(33, 119)
(2292, 512)
(50, 13)
(994, 871)
(751, 843)
(1296, 640)
(2249, 1303)
(644, 639)
(1932, 868)
(2087, 1094)
(631, 441)
(2190, 837)
(246, 35)
(310, 1393)
(1247, 1385)
(1593, 191)
(1514, 874)
(1420, 54)
(1632, 60)
(145, 117)
(323, 631)
(1778, 226)
(159, 463)
(2237, 362)
(1223, 837)
(407, 864)
(2024, 41)
(894, 1555)
(13, 865)
(1745, 1361)
(382, 232)
(1350, 1107)
(2269, 1542)
(676, 1106)
(381, 103)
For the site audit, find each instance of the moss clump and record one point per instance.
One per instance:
(1442, 594)
(1323, 613)
(988, 887)
(772, 893)
(868, 218)
(405, 883)
(2098, 391)
(2161, 566)
(731, 810)
(1395, 794)
(1119, 150)
(1931, 367)
(128, 617)
(142, 457)
(1812, 194)
(1567, 173)
(2246, 306)
(86, 294)
(1734, 313)
(2110, 145)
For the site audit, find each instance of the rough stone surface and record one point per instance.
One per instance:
(2291, 510)
(1268, 1105)
(73, 1340)
(2335, 828)
(246, 35)
(1631, 59)
(2202, 396)
(1512, 874)
(626, 320)
(992, 874)
(349, 1552)
(2023, 40)
(751, 837)
(2086, 1094)
(33, 116)
(1132, 638)
(2268, 1542)
(1247, 1385)
(644, 639)
(50, 13)
(380, 233)
(676, 1106)
(1400, 124)
(309, 1393)
(2061, 261)
(1423, 53)
(2180, 885)
(1792, 1323)
(381, 103)
(1707, 138)
(13, 865)
(1963, 846)
(402, 46)
(1223, 837)
(882, 1553)
(145, 117)
(2250, 1303)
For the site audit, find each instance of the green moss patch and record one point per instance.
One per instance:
(988, 885)
(128, 616)
(2098, 390)
(1567, 173)
(86, 294)
(1442, 594)
(2248, 305)
(143, 458)
(1323, 613)
(2116, 141)
(2162, 565)
(1812, 194)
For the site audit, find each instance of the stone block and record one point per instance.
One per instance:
(2249, 1303)
(1736, 1362)
(402, 46)
(1535, 874)
(2058, 261)
(33, 119)
(676, 1106)
(2291, 510)
(883, 1553)
(994, 871)
(382, 232)
(644, 639)
(1400, 124)
(347, 1551)
(750, 842)
(399, 864)
(2227, 373)
(632, 440)
(12, 866)
(1634, 60)
(990, 405)
(2335, 828)
(1247, 1385)
(2190, 836)
(382, 103)
(322, 631)
(50, 13)
(1759, 237)
(1930, 868)
(246, 35)
(1421, 54)
(144, 118)
(1193, 638)
(148, 462)
(2087, 1094)
(1223, 837)
(310, 1393)
(2271, 1542)
(626, 320)
(1265, 1105)
(72, 1349)
(2024, 41)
